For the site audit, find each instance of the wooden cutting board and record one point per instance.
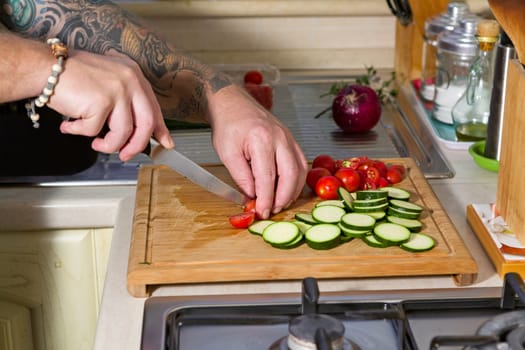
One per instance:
(181, 234)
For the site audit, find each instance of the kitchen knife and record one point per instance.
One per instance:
(192, 171)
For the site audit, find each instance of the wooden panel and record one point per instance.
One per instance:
(501, 264)
(409, 38)
(510, 198)
(181, 234)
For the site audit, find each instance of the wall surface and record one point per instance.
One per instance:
(290, 34)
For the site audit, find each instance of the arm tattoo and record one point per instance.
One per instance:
(103, 27)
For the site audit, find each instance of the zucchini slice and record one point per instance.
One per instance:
(328, 214)
(372, 241)
(346, 197)
(306, 218)
(371, 194)
(419, 242)
(258, 227)
(413, 225)
(303, 226)
(358, 221)
(404, 205)
(365, 203)
(323, 236)
(348, 232)
(334, 202)
(372, 209)
(281, 232)
(397, 193)
(400, 213)
(390, 233)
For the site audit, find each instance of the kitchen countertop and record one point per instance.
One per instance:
(120, 319)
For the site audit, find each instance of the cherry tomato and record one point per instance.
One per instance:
(253, 77)
(372, 175)
(383, 182)
(326, 187)
(369, 185)
(242, 220)
(399, 168)
(381, 166)
(249, 206)
(394, 176)
(324, 161)
(350, 178)
(314, 175)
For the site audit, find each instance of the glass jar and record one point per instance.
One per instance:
(434, 26)
(471, 112)
(456, 51)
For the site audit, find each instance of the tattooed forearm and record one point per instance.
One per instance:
(103, 27)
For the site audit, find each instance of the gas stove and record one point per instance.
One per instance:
(473, 318)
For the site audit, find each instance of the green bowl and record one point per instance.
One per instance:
(477, 151)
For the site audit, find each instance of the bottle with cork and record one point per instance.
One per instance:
(471, 113)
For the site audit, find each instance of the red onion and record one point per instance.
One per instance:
(356, 108)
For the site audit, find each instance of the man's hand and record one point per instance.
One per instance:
(258, 150)
(98, 91)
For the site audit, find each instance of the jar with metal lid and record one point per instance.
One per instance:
(456, 51)
(434, 26)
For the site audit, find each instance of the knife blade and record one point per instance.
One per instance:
(193, 172)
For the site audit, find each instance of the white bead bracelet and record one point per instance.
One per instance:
(59, 50)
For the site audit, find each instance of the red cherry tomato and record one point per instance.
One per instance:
(381, 166)
(314, 175)
(372, 175)
(253, 77)
(242, 220)
(383, 182)
(326, 187)
(394, 176)
(399, 168)
(249, 206)
(324, 161)
(350, 178)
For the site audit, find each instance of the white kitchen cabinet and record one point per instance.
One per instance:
(50, 287)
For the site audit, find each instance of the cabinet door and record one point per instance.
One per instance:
(57, 277)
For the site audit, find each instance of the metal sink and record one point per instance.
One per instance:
(401, 133)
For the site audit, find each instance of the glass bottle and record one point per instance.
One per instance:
(471, 112)
(434, 26)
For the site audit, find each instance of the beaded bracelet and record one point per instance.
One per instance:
(59, 50)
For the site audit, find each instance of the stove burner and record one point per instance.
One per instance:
(509, 326)
(303, 331)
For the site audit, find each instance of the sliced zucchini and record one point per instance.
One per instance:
(397, 193)
(379, 207)
(418, 242)
(358, 221)
(335, 202)
(413, 225)
(258, 227)
(378, 215)
(371, 194)
(404, 205)
(293, 244)
(346, 197)
(328, 214)
(281, 232)
(402, 213)
(303, 226)
(306, 218)
(390, 233)
(348, 232)
(372, 241)
(365, 203)
(323, 236)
